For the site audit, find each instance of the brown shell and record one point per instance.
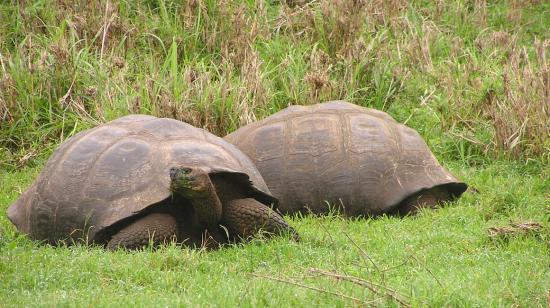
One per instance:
(358, 159)
(111, 172)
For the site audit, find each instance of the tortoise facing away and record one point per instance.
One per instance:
(139, 179)
(357, 159)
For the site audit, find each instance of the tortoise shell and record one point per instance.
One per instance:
(104, 175)
(357, 159)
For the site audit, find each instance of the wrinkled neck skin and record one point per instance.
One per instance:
(220, 194)
(196, 187)
(208, 207)
(193, 230)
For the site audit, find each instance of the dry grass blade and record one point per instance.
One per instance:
(374, 287)
(469, 139)
(25, 159)
(428, 270)
(524, 227)
(354, 299)
(519, 114)
(364, 253)
(332, 241)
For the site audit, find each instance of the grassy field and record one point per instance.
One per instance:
(471, 76)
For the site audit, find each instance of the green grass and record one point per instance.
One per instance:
(442, 257)
(470, 76)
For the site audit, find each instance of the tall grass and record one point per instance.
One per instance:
(474, 74)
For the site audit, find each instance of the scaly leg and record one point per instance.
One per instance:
(157, 228)
(246, 217)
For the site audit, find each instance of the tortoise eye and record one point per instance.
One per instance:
(173, 170)
(177, 172)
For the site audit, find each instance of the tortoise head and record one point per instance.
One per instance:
(195, 185)
(190, 182)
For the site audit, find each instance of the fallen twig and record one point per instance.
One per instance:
(356, 300)
(383, 270)
(374, 287)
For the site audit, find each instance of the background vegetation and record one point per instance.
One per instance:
(471, 76)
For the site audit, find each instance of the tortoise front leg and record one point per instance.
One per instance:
(157, 228)
(246, 217)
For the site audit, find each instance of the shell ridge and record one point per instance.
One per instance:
(287, 141)
(346, 140)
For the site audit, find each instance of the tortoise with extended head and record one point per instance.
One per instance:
(139, 179)
(356, 159)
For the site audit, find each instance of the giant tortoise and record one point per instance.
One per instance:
(358, 160)
(140, 179)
